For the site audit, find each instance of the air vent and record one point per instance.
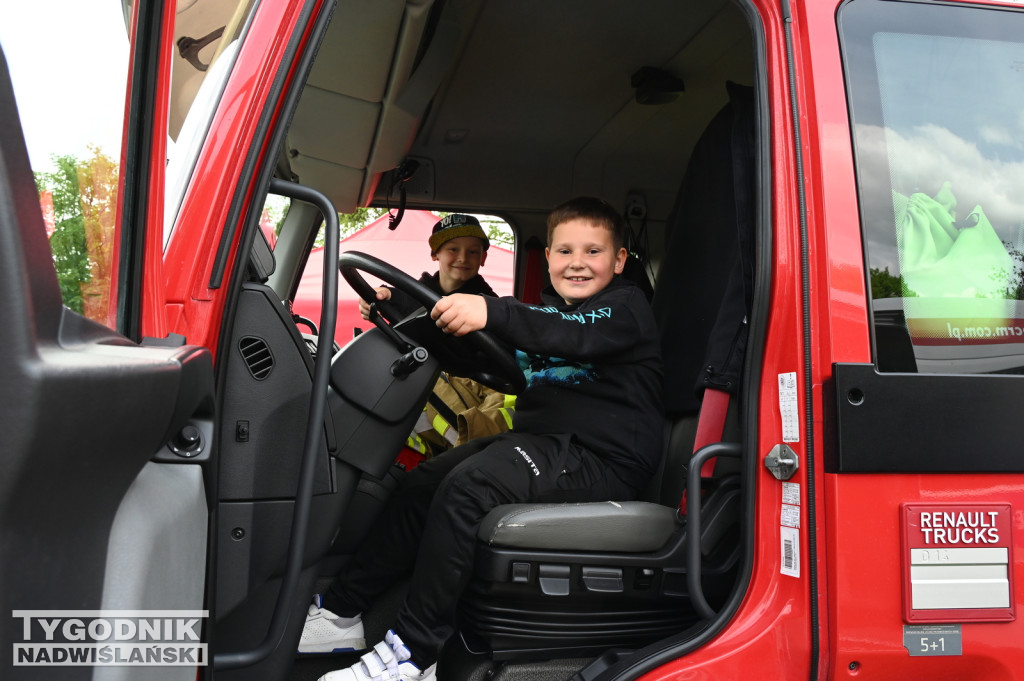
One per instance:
(257, 356)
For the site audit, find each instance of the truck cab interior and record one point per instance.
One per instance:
(509, 109)
(270, 473)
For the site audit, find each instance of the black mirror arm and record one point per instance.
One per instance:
(378, 321)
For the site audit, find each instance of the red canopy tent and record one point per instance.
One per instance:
(406, 248)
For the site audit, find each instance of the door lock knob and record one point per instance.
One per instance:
(188, 442)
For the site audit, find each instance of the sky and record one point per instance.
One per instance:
(68, 61)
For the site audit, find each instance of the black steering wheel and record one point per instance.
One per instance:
(477, 355)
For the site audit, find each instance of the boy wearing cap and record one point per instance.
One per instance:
(458, 244)
(461, 409)
(588, 427)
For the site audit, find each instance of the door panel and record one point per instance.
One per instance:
(919, 395)
(160, 527)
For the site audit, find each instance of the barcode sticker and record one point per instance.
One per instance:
(790, 551)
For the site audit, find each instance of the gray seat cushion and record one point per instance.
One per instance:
(626, 526)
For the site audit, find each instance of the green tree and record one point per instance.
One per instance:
(498, 231)
(350, 223)
(97, 187)
(1015, 279)
(84, 201)
(70, 256)
(886, 285)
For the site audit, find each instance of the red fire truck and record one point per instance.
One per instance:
(826, 199)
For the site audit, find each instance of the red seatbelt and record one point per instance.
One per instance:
(710, 427)
(711, 424)
(533, 274)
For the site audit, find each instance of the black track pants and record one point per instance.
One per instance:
(428, 529)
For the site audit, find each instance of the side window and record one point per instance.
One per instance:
(69, 82)
(407, 249)
(275, 210)
(937, 99)
(73, 124)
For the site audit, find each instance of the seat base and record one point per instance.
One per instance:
(500, 621)
(530, 602)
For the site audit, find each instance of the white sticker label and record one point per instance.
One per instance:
(790, 515)
(788, 407)
(790, 551)
(791, 493)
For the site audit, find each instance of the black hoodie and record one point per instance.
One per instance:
(593, 371)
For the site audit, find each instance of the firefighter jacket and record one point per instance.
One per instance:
(460, 410)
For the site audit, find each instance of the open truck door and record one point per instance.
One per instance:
(110, 493)
(104, 499)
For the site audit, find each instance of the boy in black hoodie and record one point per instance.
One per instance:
(587, 428)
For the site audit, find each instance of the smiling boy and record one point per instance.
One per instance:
(587, 428)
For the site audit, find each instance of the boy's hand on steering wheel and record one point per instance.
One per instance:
(460, 313)
(383, 293)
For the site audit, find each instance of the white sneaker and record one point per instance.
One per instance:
(325, 632)
(388, 661)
